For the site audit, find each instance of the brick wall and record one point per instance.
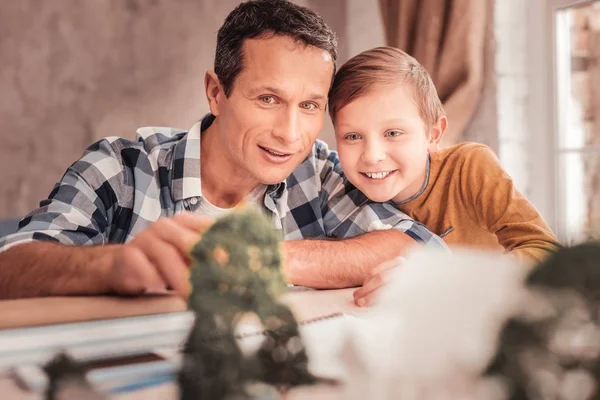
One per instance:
(585, 76)
(511, 68)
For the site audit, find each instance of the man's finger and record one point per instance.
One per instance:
(178, 235)
(169, 263)
(194, 222)
(135, 273)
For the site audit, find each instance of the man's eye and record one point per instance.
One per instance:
(393, 133)
(352, 136)
(267, 99)
(308, 106)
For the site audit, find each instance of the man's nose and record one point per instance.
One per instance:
(288, 127)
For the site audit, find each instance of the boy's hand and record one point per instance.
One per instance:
(380, 276)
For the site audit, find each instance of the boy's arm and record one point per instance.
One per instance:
(500, 208)
(362, 234)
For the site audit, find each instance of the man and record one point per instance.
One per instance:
(267, 96)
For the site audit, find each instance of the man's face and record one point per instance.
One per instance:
(383, 143)
(276, 108)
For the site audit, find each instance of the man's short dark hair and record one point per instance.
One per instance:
(261, 18)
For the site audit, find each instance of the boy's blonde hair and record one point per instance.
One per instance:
(385, 66)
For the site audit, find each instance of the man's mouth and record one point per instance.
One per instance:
(378, 175)
(276, 154)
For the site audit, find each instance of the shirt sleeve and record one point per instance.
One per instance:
(80, 208)
(347, 212)
(500, 208)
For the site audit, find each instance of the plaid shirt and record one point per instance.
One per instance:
(119, 186)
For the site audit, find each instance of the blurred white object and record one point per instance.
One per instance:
(434, 329)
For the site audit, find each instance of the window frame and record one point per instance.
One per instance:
(543, 105)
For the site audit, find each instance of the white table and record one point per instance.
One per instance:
(306, 305)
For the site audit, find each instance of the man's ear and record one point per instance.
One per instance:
(437, 132)
(214, 91)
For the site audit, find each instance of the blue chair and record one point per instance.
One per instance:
(8, 226)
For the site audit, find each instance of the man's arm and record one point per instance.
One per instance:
(155, 260)
(333, 264)
(44, 269)
(60, 249)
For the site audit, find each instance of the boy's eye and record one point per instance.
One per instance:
(352, 136)
(267, 99)
(393, 133)
(309, 106)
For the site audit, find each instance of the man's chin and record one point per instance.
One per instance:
(273, 179)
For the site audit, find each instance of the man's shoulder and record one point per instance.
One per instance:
(154, 138)
(321, 154)
(319, 151)
(147, 139)
(320, 162)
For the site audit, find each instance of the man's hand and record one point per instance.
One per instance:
(157, 259)
(380, 276)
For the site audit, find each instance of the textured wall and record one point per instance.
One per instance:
(75, 71)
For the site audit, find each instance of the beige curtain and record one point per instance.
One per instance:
(448, 38)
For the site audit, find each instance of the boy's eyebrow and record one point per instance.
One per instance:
(345, 127)
(396, 120)
(387, 123)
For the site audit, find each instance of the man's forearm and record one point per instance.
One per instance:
(333, 264)
(49, 269)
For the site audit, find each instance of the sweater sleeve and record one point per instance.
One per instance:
(499, 207)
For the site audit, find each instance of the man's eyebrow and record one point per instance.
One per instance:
(263, 89)
(274, 90)
(317, 96)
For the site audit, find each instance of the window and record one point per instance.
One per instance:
(563, 38)
(577, 119)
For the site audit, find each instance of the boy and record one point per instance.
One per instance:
(388, 122)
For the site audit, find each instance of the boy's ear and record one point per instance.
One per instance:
(437, 132)
(214, 91)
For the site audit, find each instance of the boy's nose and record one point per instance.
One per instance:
(373, 155)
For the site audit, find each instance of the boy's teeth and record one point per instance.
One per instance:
(276, 153)
(377, 175)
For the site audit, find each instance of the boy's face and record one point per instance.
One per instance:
(383, 143)
(276, 109)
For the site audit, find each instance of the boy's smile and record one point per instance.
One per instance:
(378, 176)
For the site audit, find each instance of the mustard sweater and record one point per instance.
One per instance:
(469, 200)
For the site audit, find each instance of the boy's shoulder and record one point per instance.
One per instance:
(468, 153)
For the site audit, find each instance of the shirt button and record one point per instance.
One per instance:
(194, 201)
